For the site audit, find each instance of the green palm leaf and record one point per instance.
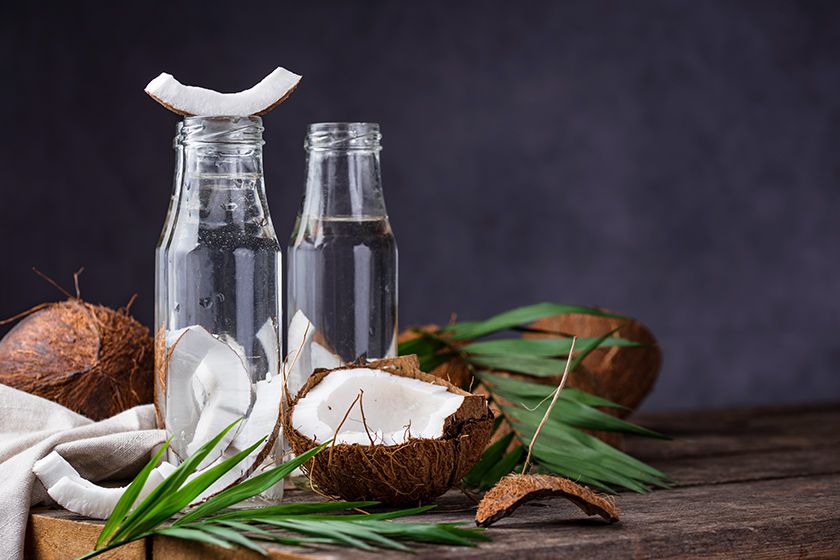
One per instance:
(562, 448)
(212, 522)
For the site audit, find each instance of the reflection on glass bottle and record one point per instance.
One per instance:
(342, 271)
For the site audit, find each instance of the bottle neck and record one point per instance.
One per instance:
(343, 178)
(221, 172)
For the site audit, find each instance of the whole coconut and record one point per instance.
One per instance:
(89, 358)
(622, 374)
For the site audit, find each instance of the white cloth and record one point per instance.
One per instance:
(31, 427)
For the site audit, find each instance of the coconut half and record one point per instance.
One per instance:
(197, 101)
(67, 487)
(417, 436)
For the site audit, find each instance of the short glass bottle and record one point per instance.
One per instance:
(342, 257)
(218, 271)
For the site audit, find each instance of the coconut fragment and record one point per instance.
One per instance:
(514, 490)
(67, 487)
(197, 101)
(417, 437)
(208, 387)
(305, 355)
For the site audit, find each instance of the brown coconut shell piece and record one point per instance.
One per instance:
(414, 472)
(515, 490)
(89, 358)
(455, 370)
(624, 375)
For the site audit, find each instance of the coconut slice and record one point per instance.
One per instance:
(265, 414)
(197, 101)
(418, 435)
(304, 354)
(208, 387)
(67, 487)
(515, 490)
(298, 363)
(321, 358)
(267, 337)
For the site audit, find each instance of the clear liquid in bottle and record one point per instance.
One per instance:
(342, 275)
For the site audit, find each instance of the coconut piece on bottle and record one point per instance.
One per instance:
(197, 101)
(67, 487)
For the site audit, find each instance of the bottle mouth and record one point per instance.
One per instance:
(342, 136)
(219, 130)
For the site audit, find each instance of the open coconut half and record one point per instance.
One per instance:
(400, 435)
(67, 487)
(197, 101)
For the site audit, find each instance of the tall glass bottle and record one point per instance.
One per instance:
(342, 258)
(218, 277)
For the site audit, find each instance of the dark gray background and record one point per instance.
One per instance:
(676, 161)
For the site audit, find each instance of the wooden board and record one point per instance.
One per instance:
(756, 483)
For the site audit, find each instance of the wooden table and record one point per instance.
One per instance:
(752, 483)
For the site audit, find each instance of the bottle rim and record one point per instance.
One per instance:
(219, 130)
(343, 136)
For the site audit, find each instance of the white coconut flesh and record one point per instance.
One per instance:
(198, 101)
(396, 408)
(304, 355)
(208, 388)
(67, 487)
(264, 416)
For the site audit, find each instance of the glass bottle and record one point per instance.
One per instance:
(342, 258)
(218, 274)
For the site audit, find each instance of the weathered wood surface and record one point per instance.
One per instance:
(752, 483)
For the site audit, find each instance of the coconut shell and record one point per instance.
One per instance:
(414, 472)
(455, 370)
(516, 489)
(624, 375)
(89, 358)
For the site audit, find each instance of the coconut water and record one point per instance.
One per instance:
(342, 273)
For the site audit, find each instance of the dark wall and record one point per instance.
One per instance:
(676, 161)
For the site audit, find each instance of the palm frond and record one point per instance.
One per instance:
(563, 447)
(301, 524)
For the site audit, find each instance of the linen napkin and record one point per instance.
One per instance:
(31, 427)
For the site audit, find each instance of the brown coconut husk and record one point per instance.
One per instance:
(455, 371)
(623, 375)
(414, 472)
(92, 359)
(516, 489)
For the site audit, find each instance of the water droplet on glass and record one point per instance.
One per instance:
(206, 302)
